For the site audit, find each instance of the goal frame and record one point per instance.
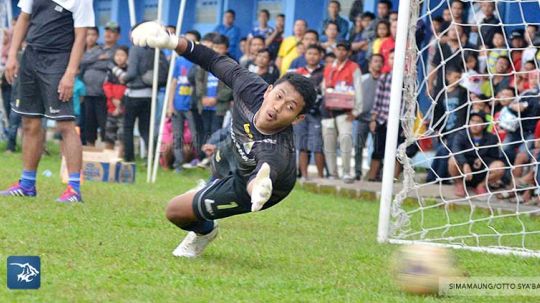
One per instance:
(387, 194)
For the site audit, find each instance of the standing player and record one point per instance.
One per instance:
(261, 134)
(55, 32)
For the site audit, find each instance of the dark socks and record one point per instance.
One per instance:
(200, 227)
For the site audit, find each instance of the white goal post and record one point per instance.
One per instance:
(499, 220)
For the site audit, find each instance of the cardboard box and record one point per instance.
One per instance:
(102, 165)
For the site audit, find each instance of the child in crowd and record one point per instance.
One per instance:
(114, 91)
(382, 32)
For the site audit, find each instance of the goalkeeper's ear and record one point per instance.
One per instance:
(299, 119)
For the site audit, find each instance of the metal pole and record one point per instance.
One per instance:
(393, 120)
(167, 91)
(132, 16)
(150, 146)
(9, 11)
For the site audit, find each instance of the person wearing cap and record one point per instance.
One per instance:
(94, 67)
(475, 157)
(343, 75)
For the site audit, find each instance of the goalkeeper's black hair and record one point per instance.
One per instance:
(195, 33)
(303, 86)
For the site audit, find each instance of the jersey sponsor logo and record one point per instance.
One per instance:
(227, 206)
(53, 111)
(248, 131)
(208, 205)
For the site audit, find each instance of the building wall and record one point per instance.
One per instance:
(204, 15)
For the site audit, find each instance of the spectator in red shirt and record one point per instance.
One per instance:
(114, 91)
(387, 46)
(342, 76)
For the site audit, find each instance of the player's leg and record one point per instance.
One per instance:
(30, 105)
(72, 149)
(197, 210)
(180, 212)
(63, 113)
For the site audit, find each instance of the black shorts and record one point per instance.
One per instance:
(39, 76)
(226, 197)
(478, 175)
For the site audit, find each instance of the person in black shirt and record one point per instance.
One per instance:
(55, 33)
(475, 156)
(261, 134)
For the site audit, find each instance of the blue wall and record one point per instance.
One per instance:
(313, 11)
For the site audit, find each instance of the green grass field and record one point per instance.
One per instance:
(116, 247)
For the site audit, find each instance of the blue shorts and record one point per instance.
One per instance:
(308, 134)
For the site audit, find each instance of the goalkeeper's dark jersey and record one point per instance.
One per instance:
(251, 148)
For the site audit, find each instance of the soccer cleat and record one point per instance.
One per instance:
(70, 196)
(16, 190)
(193, 244)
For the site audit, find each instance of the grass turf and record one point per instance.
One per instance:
(116, 247)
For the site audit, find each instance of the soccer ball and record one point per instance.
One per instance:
(418, 268)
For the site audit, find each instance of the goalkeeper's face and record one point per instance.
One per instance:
(281, 107)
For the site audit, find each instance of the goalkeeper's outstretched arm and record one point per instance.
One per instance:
(153, 34)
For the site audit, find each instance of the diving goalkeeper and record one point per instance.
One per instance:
(261, 134)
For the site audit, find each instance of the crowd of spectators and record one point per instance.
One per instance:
(481, 79)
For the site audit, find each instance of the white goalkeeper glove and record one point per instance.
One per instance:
(262, 188)
(154, 35)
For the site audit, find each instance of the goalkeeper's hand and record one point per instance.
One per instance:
(154, 35)
(261, 188)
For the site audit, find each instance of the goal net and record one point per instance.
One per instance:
(464, 108)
